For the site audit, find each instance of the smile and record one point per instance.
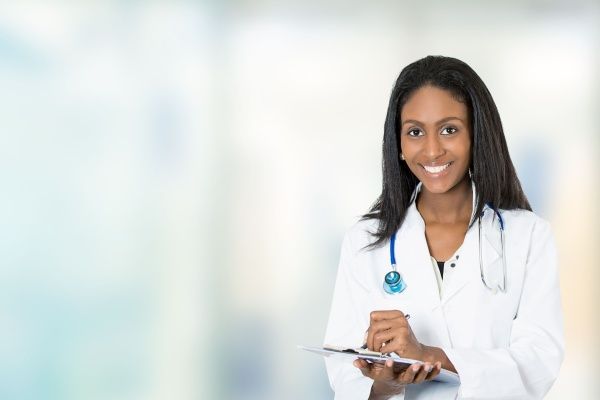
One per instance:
(436, 170)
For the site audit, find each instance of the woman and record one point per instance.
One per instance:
(477, 268)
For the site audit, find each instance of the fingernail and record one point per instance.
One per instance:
(389, 363)
(416, 367)
(428, 368)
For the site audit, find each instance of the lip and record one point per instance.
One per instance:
(437, 174)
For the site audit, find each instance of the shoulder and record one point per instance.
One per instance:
(360, 234)
(527, 228)
(524, 219)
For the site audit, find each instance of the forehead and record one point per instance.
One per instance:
(430, 104)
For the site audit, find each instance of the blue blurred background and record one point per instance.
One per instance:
(177, 177)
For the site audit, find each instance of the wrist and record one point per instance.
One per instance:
(428, 354)
(434, 354)
(380, 391)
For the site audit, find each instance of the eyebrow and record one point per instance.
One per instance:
(441, 121)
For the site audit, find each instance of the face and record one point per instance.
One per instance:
(435, 138)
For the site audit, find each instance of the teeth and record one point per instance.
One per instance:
(435, 170)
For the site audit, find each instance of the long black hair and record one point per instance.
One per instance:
(492, 170)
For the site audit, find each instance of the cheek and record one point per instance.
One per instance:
(405, 147)
(400, 143)
(462, 148)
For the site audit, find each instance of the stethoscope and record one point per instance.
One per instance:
(394, 283)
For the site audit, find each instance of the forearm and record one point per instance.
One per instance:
(383, 393)
(434, 354)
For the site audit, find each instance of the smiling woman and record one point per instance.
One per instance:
(435, 140)
(451, 198)
(437, 151)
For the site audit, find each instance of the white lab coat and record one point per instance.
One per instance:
(503, 345)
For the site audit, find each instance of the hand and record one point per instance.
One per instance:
(387, 381)
(389, 331)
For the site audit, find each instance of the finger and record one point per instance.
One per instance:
(363, 366)
(385, 314)
(437, 368)
(388, 370)
(408, 376)
(400, 368)
(397, 323)
(374, 329)
(377, 367)
(399, 343)
(423, 372)
(383, 327)
(380, 339)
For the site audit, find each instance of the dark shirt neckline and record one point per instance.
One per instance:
(441, 267)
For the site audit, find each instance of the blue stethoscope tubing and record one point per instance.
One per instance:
(394, 283)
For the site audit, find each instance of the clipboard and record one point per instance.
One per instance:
(351, 354)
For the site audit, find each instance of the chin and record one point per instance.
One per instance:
(436, 189)
(439, 187)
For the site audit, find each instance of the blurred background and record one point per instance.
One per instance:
(177, 177)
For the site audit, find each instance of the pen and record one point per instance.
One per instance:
(364, 346)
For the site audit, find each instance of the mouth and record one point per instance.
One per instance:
(434, 170)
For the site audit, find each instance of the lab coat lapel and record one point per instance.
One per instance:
(491, 250)
(419, 274)
(491, 246)
(463, 271)
(467, 267)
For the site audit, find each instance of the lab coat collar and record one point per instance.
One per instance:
(468, 254)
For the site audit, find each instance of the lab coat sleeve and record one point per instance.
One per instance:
(529, 366)
(344, 328)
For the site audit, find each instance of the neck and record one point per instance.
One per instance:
(451, 207)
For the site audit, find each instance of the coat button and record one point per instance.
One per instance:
(453, 265)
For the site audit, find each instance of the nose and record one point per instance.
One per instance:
(433, 146)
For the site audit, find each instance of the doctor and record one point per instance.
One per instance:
(472, 264)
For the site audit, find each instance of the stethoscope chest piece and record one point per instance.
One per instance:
(393, 283)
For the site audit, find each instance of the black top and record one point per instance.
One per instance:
(441, 267)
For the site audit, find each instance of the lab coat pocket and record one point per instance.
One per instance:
(494, 313)
(482, 315)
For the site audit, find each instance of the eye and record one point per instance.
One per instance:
(449, 130)
(414, 132)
